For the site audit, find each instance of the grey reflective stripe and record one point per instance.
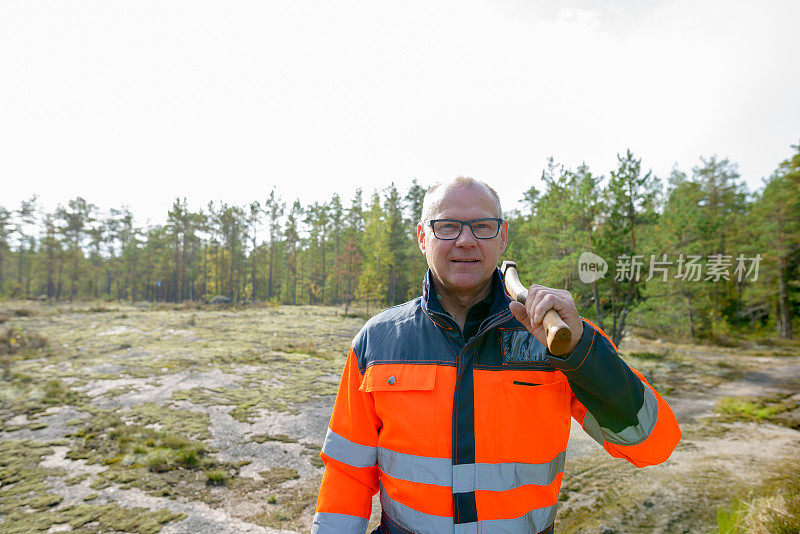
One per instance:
(534, 521)
(592, 427)
(421, 523)
(345, 451)
(423, 469)
(505, 476)
(467, 477)
(632, 435)
(413, 520)
(329, 523)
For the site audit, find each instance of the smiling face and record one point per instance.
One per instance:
(462, 267)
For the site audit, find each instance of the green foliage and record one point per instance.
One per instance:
(774, 507)
(729, 520)
(216, 477)
(339, 252)
(278, 475)
(780, 408)
(27, 504)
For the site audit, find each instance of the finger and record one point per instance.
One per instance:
(519, 312)
(547, 302)
(542, 304)
(564, 304)
(535, 294)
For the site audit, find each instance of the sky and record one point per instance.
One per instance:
(141, 102)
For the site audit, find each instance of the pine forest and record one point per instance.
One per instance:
(693, 255)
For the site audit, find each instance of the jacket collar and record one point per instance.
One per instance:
(499, 305)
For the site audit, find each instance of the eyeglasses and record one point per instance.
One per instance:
(449, 229)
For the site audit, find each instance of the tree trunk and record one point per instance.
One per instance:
(323, 268)
(269, 281)
(783, 322)
(597, 308)
(58, 278)
(50, 267)
(73, 283)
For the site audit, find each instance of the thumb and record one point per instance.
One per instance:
(519, 312)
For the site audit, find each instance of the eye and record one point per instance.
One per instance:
(481, 226)
(447, 225)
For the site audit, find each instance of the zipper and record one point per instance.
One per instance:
(491, 323)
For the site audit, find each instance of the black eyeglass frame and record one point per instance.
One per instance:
(498, 220)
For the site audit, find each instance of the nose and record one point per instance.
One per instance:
(466, 239)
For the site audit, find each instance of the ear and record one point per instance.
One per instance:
(421, 237)
(503, 236)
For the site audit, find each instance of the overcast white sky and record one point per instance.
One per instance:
(140, 102)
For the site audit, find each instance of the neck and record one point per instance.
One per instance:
(457, 304)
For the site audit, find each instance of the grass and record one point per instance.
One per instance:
(278, 475)
(648, 356)
(312, 451)
(284, 510)
(216, 477)
(773, 508)
(729, 519)
(21, 393)
(781, 409)
(16, 344)
(262, 438)
(28, 505)
(108, 439)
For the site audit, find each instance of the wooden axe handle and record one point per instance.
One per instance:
(559, 335)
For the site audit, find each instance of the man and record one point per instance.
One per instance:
(451, 406)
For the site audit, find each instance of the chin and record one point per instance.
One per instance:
(466, 282)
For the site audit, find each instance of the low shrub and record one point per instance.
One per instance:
(216, 477)
(19, 341)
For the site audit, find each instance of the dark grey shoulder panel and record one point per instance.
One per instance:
(602, 381)
(402, 334)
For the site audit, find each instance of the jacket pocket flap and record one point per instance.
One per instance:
(399, 377)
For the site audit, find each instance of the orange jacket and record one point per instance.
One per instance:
(470, 437)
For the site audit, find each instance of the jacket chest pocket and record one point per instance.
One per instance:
(405, 400)
(532, 417)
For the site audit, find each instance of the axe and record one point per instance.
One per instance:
(559, 335)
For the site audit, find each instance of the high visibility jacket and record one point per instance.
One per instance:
(470, 437)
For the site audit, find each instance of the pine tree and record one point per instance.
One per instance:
(722, 204)
(274, 208)
(377, 256)
(585, 206)
(416, 264)
(777, 216)
(336, 213)
(630, 208)
(397, 244)
(5, 232)
(26, 218)
(292, 237)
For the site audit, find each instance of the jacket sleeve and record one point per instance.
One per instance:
(614, 404)
(349, 453)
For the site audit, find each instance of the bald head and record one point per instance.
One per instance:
(436, 193)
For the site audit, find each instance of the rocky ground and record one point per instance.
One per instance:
(187, 419)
